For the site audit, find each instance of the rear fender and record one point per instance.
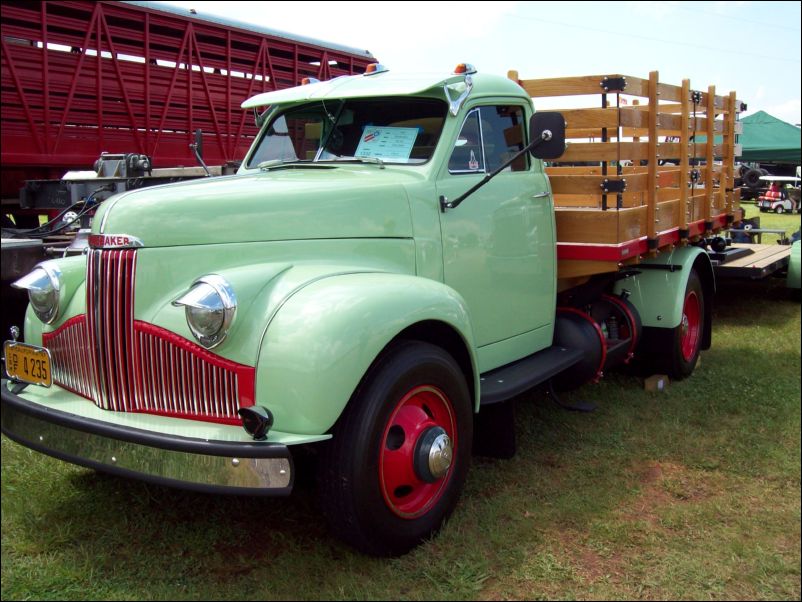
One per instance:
(658, 291)
(318, 346)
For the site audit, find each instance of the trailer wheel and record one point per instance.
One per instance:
(779, 209)
(396, 466)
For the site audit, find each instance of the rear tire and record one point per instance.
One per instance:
(681, 360)
(675, 351)
(380, 489)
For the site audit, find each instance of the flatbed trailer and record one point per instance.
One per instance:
(751, 261)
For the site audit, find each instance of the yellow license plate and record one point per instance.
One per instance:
(28, 363)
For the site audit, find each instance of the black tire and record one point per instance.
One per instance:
(679, 358)
(752, 178)
(779, 209)
(371, 488)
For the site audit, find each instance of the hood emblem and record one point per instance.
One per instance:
(114, 241)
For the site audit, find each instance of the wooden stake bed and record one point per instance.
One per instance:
(648, 167)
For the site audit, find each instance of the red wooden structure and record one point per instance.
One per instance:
(80, 78)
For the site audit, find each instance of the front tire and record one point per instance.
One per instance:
(397, 464)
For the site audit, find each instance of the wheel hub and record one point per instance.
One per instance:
(433, 454)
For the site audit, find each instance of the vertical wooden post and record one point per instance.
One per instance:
(710, 156)
(651, 232)
(684, 164)
(728, 158)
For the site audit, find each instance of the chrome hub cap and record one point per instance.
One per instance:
(440, 455)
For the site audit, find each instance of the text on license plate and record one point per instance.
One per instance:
(28, 363)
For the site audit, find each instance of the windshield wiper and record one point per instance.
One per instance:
(373, 160)
(267, 165)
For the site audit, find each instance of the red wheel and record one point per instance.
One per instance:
(397, 462)
(691, 326)
(675, 351)
(416, 451)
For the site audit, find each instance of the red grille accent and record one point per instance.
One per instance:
(180, 378)
(132, 366)
(69, 350)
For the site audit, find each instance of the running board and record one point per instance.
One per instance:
(505, 383)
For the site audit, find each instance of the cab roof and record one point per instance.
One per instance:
(386, 83)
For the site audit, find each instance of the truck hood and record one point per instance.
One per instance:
(290, 203)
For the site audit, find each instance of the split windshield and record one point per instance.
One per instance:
(393, 130)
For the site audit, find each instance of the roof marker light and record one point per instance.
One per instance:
(309, 80)
(375, 68)
(464, 68)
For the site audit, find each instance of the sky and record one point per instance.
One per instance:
(753, 48)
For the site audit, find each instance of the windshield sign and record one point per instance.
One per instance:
(392, 130)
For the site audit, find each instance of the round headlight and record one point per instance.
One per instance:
(210, 306)
(43, 286)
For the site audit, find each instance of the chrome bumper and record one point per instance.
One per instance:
(196, 464)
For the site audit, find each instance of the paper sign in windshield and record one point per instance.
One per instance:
(387, 143)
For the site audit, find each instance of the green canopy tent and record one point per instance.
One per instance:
(766, 139)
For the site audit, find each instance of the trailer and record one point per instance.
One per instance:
(81, 78)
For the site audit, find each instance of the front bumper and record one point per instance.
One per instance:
(246, 468)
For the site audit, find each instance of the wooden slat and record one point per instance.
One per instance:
(669, 92)
(666, 216)
(567, 269)
(591, 118)
(573, 86)
(601, 227)
(605, 151)
(586, 184)
(584, 170)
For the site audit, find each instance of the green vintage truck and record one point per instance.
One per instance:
(392, 265)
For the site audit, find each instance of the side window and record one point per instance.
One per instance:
(468, 156)
(489, 137)
(504, 135)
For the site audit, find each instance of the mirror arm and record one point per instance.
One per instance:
(446, 204)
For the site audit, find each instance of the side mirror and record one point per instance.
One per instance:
(547, 133)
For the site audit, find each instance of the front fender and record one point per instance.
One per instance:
(323, 339)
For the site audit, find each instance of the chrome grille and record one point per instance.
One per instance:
(132, 366)
(110, 317)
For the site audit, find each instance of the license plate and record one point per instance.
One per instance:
(28, 363)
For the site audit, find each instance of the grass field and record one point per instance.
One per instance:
(692, 493)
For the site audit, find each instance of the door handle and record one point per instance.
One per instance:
(540, 195)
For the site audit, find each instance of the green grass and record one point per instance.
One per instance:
(692, 493)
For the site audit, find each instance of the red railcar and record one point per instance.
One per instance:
(81, 78)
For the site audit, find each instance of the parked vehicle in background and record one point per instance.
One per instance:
(782, 195)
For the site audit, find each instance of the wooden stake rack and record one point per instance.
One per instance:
(648, 166)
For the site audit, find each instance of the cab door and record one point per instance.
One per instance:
(498, 245)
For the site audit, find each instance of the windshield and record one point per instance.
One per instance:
(393, 130)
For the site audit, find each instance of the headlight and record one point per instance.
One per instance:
(44, 290)
(210, 306)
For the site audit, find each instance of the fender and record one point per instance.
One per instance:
(658, 293)
(321, 342)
